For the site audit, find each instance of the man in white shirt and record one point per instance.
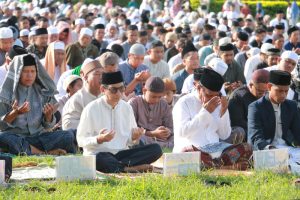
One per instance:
(91, 73)
(157, 66)
(279, 20)
(107, 128)
(201, 118)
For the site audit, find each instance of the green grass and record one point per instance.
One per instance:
(262, 185)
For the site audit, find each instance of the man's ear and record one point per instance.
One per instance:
(144, 90)
(102, 88)
(269, 85)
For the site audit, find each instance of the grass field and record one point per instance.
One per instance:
(260, 185)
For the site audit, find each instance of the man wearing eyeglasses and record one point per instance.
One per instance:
(107, 128)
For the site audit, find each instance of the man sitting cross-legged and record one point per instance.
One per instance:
(201, 118)
(107, 128)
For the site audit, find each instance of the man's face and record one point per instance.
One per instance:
(41, 40)
(63, 36)
(93, 78)
(24, 24)
(77, 86)
(42, 24)
(206, 94)
(99, 34)
(227, 57)
(287, 65)
(260, 37)
(169, 96)
(88, 21)
(114, 92)
(191, 61)
(272, 60)
(294, 38)
(28, 76)
(59, 56)
(143, 40)
(258, 89)
(170, 43)
(240, 43)
(132, 36)
(6, 44)
(279, 43)
(152, 97)
(135, 60)
(53, 38)
(213, 33)
(85, 40)
(278, 31)
(278, 93)
(156, 54)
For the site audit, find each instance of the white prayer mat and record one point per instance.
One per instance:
(27, 173)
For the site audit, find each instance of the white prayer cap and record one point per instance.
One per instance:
(11, 7)
(5, 33)
(253, 51)
(43, 11)
(265, 47)
(224, 40)
(59, 45)
(290, 55)
(24, 32)
(167, 25)
(86, 62)
(98, 20)
(80, 21)
(222, 27)
(218, 65)
(69, 80)
(31, 33)
(34, 28)
(52, 30)
(86, 31)
(137, 49)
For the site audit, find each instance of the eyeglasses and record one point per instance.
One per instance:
(114, 90)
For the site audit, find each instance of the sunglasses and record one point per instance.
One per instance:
(114, 90)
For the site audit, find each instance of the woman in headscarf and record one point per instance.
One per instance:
(27, 107)
(55, 60)
(64, 31)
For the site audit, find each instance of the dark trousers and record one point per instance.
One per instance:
(114, 163)
(17, 144)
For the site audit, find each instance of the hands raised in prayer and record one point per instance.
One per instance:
(48, 111)
(162, 133)
(142, 76)
(21, 109)
(212, 104)
(105, 136)
(137, 133)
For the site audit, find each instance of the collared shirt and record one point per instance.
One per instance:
(179, 78)
(129, 72)
(278, 128)
(33, 49)
(160, 69)
(194, 125)
(99, 115)
(74, 106)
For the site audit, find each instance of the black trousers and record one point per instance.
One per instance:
(114, 163)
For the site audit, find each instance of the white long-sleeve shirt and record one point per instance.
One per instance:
(194, 125)
(99, 115)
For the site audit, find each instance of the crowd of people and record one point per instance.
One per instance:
(124, 83)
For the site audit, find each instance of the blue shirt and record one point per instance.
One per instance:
(289, 46)
(179, 78)
(129, 72)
